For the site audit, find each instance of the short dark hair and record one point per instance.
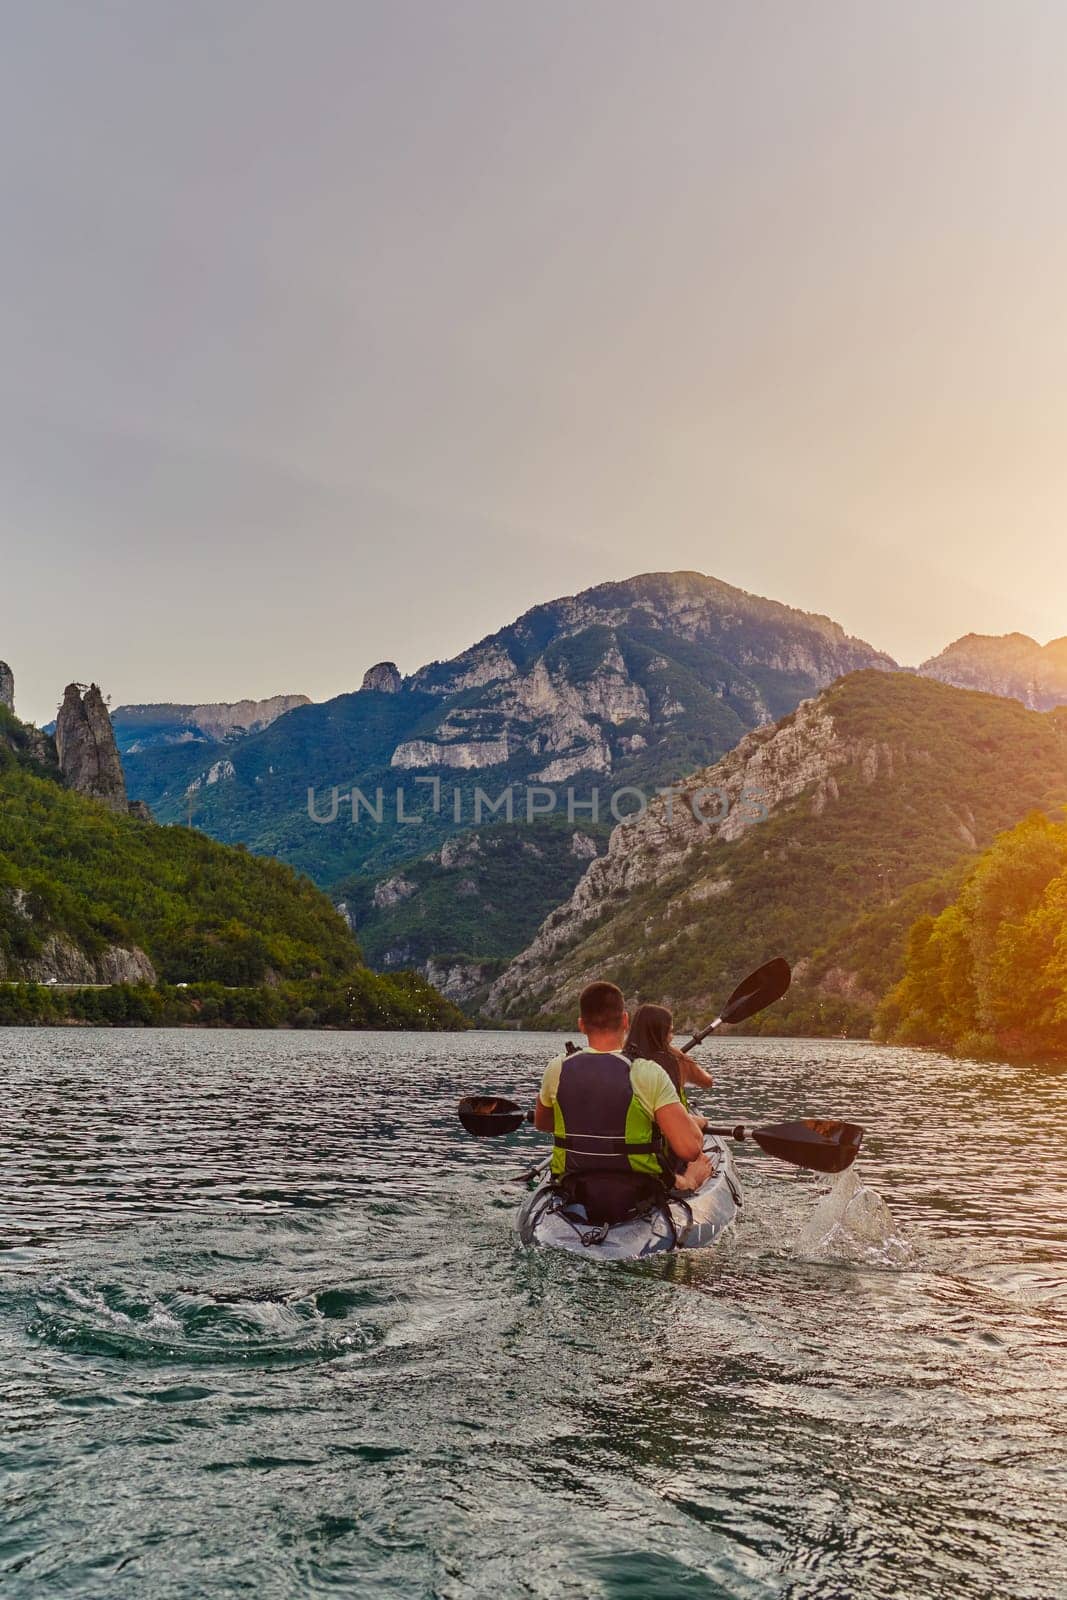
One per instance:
(602, 1005)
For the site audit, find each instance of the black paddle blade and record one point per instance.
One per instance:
(824, 1146)
(488, 1116)
(761, 988)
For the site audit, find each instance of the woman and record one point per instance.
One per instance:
(649, 1039)
(650, 1035)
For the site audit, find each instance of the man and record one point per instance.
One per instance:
(615, 1123)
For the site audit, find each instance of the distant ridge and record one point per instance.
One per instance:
(138, 727)
(1009, 664)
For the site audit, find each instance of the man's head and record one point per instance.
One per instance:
(602, 1015)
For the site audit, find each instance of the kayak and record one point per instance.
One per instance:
(685, 1222)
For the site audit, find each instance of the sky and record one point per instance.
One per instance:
(334, 332)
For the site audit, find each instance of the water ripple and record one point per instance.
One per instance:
(265, 1330)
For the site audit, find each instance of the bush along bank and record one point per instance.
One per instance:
(364, 1000)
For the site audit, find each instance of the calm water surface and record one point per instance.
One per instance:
(264, 1331)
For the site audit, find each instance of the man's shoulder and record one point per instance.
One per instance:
(646, 1064)
(652, 1083)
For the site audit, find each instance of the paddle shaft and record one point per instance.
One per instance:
(822, 1145)
(698, 1038)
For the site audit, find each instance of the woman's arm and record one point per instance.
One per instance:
(693, 1072)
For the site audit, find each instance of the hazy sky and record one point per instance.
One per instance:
(340, 331)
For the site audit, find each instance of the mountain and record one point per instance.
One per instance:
(1011, 664)
(839, 826)
(91, 895)
(458, 912)
(627, 684)
(988, 976)
(142, 727)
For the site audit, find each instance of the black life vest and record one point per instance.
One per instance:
(607, 1148)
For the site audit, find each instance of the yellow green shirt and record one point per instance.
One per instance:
(650, 1085)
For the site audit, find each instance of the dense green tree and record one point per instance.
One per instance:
(989, 975)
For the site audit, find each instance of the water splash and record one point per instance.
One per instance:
(853, 1223)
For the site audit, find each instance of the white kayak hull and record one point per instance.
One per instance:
(688, 1222)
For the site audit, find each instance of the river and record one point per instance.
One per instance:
(265, 1331)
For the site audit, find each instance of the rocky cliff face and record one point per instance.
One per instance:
(462, 982)
(588, 681)
(7, 687)
(61, 961)
(1012, 664)
(88, 756)
(639, 680)
(749, 630)
(225, 720)
(770, 767)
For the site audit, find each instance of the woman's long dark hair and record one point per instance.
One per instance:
(650, 1037)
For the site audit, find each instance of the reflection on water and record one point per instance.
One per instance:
(265, 1330)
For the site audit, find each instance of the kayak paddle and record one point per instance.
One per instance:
(821, 1144)
(759, 990)
(489, 1116)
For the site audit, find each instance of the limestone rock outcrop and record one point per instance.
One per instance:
(59, 960)
(465, 754)
(384, 677)
(7, 687)
(462, 982)
(583, 847)
(230, 719)
(88, 755)
(392, 890)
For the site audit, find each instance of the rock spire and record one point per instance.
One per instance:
(88, 756)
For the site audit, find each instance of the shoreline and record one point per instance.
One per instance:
(1045, 1064)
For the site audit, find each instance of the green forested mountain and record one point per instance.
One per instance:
(90, 895)
(988, 976)
(851, 818)
(633, 683)
(474, 900)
